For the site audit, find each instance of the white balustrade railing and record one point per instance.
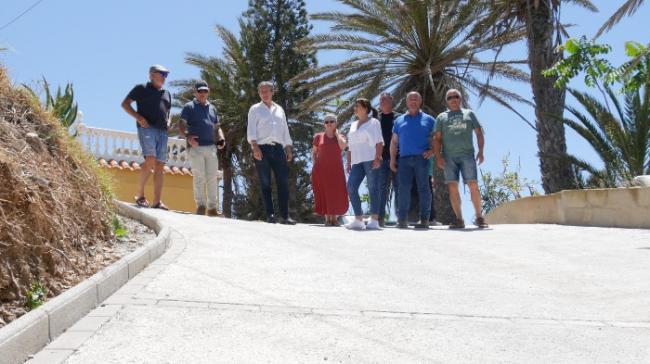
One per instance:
(125, 146)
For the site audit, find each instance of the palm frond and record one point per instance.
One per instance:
(627, 9)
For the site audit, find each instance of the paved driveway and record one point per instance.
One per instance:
(242, 292)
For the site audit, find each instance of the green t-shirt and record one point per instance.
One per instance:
(457, 128)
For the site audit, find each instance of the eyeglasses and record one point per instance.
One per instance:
(330, 122)
(163, 74)
(453, 97)
(203, 91)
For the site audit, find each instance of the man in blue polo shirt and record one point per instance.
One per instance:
(200, 125)
(412, 136)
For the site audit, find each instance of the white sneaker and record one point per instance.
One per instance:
(356, 225)
(373, 225)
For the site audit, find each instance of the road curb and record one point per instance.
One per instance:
(34, 330)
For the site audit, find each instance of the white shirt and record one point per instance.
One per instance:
(267, 125)
(363, 140)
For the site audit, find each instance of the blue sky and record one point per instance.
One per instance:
(106, 47)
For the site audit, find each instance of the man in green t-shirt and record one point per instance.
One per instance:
(454, 150)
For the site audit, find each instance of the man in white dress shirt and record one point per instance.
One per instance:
(268, 135)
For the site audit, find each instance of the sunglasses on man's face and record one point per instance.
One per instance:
(330, 122)
(163, 74)
(203, 91)
(453, 97)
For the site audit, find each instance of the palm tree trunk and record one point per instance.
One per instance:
(549, 100)
(441, 204)
(444, 212)
(226, 163)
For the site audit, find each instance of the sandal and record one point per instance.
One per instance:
(457, 224)
(480, 223)
(161, 206)
(141, 201)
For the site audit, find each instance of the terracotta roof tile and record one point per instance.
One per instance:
(135, 166)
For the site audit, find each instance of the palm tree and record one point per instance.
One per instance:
(621, 137)
(401, 46)
(544, 31)
(627, 9)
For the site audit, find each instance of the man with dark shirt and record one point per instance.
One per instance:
(387, 119)
(153, 105)
(200, 126)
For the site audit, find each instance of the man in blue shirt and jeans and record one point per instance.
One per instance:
(412, 136)
(200, 125)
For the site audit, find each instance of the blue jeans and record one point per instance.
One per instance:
(358, 172)
(465, 165)
(153, 142)
(407, 168)
(274, 159)
(386, 177)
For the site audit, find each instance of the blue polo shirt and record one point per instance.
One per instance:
(414, 133)
(201, 121)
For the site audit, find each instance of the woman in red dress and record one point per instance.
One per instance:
(327, 177)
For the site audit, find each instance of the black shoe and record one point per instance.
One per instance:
(287, 221)
(271, 219)
(402, 225)
(382, 222)
(422, 225)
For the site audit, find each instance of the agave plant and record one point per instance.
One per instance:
(620, 137)
(61, 104)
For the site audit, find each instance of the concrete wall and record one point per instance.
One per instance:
(618, 207)
(177, 188)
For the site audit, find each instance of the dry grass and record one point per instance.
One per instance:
(55, 206)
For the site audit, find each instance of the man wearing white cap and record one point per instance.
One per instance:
(153, 104)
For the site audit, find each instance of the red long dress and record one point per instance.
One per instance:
(327, 177)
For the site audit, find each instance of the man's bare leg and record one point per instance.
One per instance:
(158, 182)
(454, 198)
(147, 166)
(476, 197)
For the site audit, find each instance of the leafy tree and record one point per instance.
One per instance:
(620, 134)
(270, 33)
(620, 138)
(264, 50)
(506, 186)
(401, 46)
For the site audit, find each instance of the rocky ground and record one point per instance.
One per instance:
(104, 255)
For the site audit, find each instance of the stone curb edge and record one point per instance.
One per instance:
(34, 330)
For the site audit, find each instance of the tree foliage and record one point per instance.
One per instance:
(401, 46)
(507, 185)
(618, 132)
(544, 32)
(264, 49)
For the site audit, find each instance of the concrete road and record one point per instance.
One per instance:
(243, 292)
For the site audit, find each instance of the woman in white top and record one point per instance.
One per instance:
(364, 159)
